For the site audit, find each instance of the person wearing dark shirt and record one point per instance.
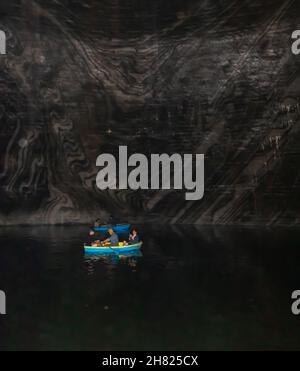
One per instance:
(97, 223)
(133, 237)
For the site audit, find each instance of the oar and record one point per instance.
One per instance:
(112, 249)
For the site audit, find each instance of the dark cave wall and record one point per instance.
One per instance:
(81, 78)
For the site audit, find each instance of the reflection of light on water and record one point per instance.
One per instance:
(111, 260)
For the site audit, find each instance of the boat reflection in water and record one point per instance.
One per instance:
(128, 258)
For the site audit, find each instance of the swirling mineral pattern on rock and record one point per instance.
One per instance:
(81, 78)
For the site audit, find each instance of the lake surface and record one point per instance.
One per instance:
(206, 288)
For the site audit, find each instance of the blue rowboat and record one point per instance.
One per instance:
(118, 228)
(113, 249)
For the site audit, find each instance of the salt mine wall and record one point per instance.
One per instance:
(82, 78)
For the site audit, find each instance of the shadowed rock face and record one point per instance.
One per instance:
(81, 78)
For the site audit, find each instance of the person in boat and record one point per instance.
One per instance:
(113, 240)
(99, 223)
(113, 220)
(91, 240)
(96, 243)
(133, 238)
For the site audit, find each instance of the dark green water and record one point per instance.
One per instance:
(206, 288)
